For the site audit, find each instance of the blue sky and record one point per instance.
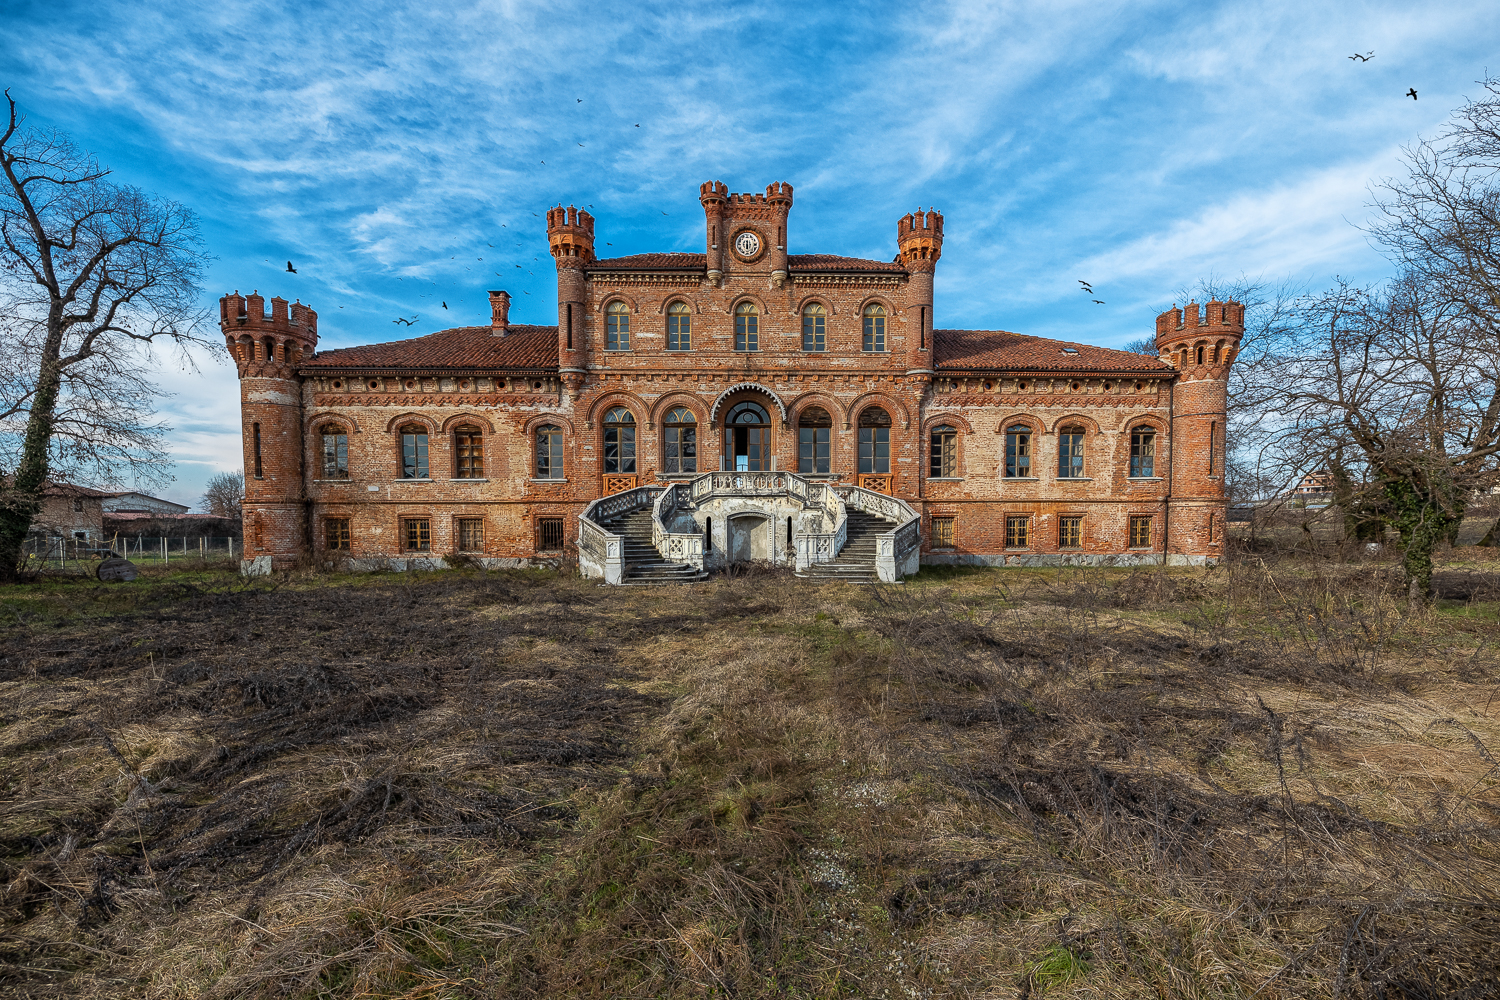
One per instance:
(387, 147)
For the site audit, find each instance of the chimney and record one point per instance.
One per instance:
(499, 314)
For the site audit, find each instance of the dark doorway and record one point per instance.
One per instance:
(747, 439)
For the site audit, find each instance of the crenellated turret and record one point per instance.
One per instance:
(264, 344)
(746, 232)
(920, 239)
(570, 235)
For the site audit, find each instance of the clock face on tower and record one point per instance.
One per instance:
(747, 245)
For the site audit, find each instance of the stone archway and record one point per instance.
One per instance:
(749, 539)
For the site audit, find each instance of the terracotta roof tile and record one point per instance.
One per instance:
(698, 261)
(999, 350)
(649, 261)
(832, 262)
(526, 348)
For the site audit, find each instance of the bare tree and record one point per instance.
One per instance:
(94, 273)
(224, 496)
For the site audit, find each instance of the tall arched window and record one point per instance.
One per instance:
(944, 452)
(746, 327)
(549, 453)
(814, 430)
(1143, 452)
(413, 452)
(1200, 354)
(617, 327)
(680, 441)
(468, 452)
(874, 441)
(874, 329)
(747, 438)
(335, 452)
(1018, 452)
(619, 441)
(815, 328)
(679, 327)
(1070, 452)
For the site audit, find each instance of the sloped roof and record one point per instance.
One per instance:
(1000, 350)
(525, 348)
(833, 262)
(699, 262)
(652, 261)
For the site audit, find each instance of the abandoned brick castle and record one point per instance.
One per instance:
(691, 410)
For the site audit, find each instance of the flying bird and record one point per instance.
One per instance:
(580, 144)
(1363, 58)
(290, 268)
(1412, 93)
(1099, 301)
(404, 320)
(637, 126)
(445, 305)
(664, 213)
(580, 100)
(1086, 286)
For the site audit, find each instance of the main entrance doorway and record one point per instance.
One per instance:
(747, 439)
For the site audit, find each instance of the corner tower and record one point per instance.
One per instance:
(570, 236)
(920, 238)
(266, 349)
(1201, 346)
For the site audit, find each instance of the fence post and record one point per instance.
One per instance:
(163, 550)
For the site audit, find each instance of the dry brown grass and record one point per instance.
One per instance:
(1268, 779)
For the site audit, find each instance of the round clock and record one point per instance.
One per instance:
(747, 245)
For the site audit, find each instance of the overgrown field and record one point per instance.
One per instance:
(1267, 779)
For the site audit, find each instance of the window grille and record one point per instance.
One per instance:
(1140, 532)
(814, 431)
(1070, 532)
(874, 441)
(468, 447)
(874, 329)
(619, 442)
(1143, 453)
(413, 452)
(549, 534)
(336, 534)
(1070, 453)
(680, 441)
(470, 534)
(549, 454)
(942, 532)
(679, 327)
(335, 452)
(944, 452)
(416, 534)
(617, 327)
(1018, 452)
(1018, 531)
(815, 328)
(746, 328)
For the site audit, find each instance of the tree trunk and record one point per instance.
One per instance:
(21, 501)
(1492, 537)
(1422, 523)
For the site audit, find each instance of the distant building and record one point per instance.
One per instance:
(140, 503)
(72, 512)
(1318, 483)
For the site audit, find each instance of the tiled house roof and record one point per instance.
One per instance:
(525, 348)
(833, 262)
(999, 350)
(699, 262)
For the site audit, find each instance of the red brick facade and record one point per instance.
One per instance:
(741, 314)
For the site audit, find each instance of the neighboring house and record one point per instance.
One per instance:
(692, 410)
(1315, 484)
(140, 503)
(72, 512)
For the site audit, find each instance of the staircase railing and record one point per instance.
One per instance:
(675, 546)
(810, 546)
(601, 553)
(898, 551)
(823, 546)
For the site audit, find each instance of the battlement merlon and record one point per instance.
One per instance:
(282, 337)
(920, 238)
(570, 236)
(1216, 317)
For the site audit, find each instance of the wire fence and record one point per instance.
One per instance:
(74, 554)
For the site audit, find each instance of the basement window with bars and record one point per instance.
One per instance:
(549, 534)
(942, 532)
(1140, 532)
(1070, 532)
(471, 534)
(1018, 531)
(416, 534)
(336, 534)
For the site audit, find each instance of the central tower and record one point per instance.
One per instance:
(746, 233)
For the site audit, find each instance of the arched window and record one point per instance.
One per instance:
(680, 441)
(944, 452)
(549, 453)
(747, 438)
(815, 328)
(617, 327)
(468, 452)
(1070, 452)
(619, 441)
(874, 329)
(679, 327)
(1200, 354)
(1018, 452)
(874, 441)
(1143, 452)
(814, 430)
(413, 452)
(746, 327)
(335, 452)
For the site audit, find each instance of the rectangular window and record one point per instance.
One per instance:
(468, 449)
(336, 534)
(1070, 532)
(1070, 453)
(944, 453)
(874, 334)
(1140, 532)
(1018, 531)
(874, 450)
(747, 332)
(679, 331)
(470, 534)
(413, 453)
(257, 451)
(1143, 453)
(812, 449)
(814, 332)
(617, 330)
(416, 534)
(78, 506)
(335, 453)
(1018, 452)
(680, 448)
(549, 534)
(549, 457)
(942, 532)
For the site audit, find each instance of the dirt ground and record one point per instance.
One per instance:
(1270, 779)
